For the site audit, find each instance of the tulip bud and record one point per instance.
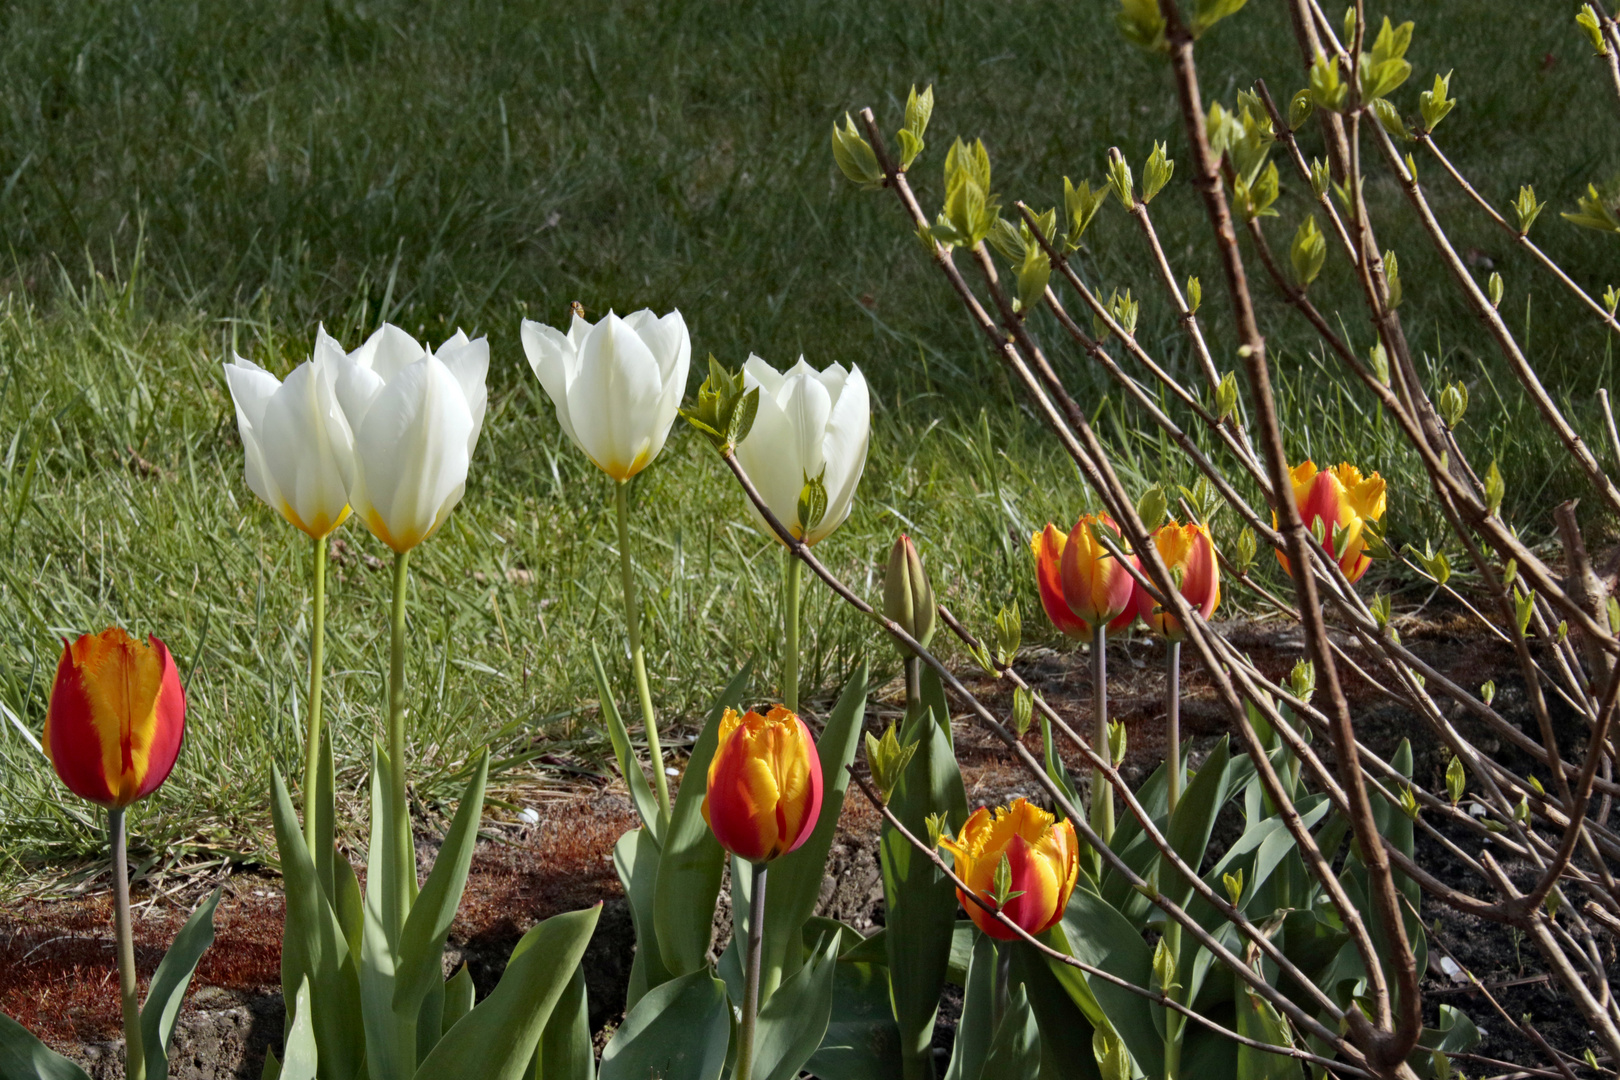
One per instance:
(887, 759)
(1041, 860)
(908, 598)
(764, 792)
(116, 718)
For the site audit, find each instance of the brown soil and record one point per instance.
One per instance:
(57, 973)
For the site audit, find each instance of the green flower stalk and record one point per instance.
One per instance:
(632, 627)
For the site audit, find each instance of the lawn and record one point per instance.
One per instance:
(180, 180)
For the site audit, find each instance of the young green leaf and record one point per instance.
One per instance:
(1495, 488)
(1195, 295)
(1159, 168)
(1526, 208)
(1493, 289)
(1308, 252)
(1121, 180)
(1456, 780)
(1595, 210)
(1587, 20)
(854, 155)
(1300, 108)
(1435, 103)
(1142, 23)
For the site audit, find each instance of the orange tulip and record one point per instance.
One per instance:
(116, 718)
(1080, 583)
(764, 792)
(1344, 500)
(1190, 554)
(1043, 862)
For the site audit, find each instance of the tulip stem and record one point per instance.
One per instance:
(913, 683)
(1172, 702)
(638, 658)
(1102, 793)
(404, 844)
(790, 626)
(750, 1008)
(312, 739)
(128, 990)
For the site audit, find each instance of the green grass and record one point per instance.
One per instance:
(178, 180)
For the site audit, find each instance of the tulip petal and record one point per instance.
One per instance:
(468, 362)
(614, 399)
(769, 456)
(251, 390)
(388, 352)
(1049, 548)
(298, 451)
(555, 362)
(845, 446)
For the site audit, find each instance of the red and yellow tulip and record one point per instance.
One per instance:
(1189, 553)
(1080, 582)
(764, 792)
(116, 718)
(1343, 500)
(1043, 862)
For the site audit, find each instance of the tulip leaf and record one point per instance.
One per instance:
(323, 798)
(272, 1066)
(793, 1022)
(1066, 1031)
(496, 1040)
(629, 768)
(350, 905)
(169, 982)
(565, 1051)
(678, 1031)
(1015, 1049)
(691, 862)
(421, 944)
(430, 1016)
(459, 996)
(975, 1027)
(1257, 1019)
(920, 900)
(390, 1045)
(26, 1058)
(636, 858)
(795, 878)
(862, 1042)
(313, 946)
(299, 1045)
(962, 939)
(1194, 819)
(1097, 934)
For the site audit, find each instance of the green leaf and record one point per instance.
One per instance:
(272, 1066)
(390, 1048)
(325, 852)
(629, 768)
(169, 982)
(313, 946)
(855, 157)
(920, 900)
(299, 1045)
(496, 1040)
(565, 1051)
(692, 863)
(1308, 253)
(1434, 104)
(679, 1031)
(1097, 934)
(636, 857)
(1257, 1019)
(23, 1057)
(862, 1042)
(1194, 818)
(1015, 1049)
(421, 944)
(795, 879)
(459, 996)
(793, 1021)
(974, 1029)
(1065, 1029)
(350, 906)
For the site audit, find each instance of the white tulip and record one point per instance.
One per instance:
(808, 421)
(616, 385)
(416, 416)
(297, 444)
